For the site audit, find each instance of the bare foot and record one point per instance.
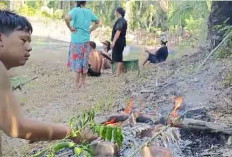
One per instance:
(78, 86)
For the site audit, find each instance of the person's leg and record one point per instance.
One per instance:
(119, 68)
(85, 65)
(78, 76)
(83, 79)
(103, 67)
(145, 61)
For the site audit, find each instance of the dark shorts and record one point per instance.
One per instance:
(117, 54)
(152, 58)
(93, 73)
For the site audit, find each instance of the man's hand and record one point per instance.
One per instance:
(72, 29)
(112, 45)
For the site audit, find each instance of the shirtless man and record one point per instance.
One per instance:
(15, 38)
(95, 60)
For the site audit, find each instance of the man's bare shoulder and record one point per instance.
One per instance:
(4, 78)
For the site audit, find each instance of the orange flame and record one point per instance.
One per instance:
(112, 121)
(177, 105)
(178, 102)
(128, 109)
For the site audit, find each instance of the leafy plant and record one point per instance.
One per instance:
(58, 14)
(77, 124)
(4, 4)
(27, 10)
(227, 82)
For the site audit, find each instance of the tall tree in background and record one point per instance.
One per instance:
(221, 15)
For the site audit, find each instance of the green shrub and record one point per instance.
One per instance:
(27, 10)
(58, 14)
(46, 12)
(228, 80)
(226, 50)
(4, 5)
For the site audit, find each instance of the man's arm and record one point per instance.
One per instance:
(95, 26)
(105, 56)
(15, 125)
(117, 34)
(67, 19)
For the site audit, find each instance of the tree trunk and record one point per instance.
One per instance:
(221, 14)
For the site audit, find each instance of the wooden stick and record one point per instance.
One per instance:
(22, 84)
(214, 50)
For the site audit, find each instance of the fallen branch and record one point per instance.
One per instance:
(211, 127)
(19, 86)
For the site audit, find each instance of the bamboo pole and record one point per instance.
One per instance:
(214, 50)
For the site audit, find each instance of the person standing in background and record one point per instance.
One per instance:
(118, 39)
(78, 20)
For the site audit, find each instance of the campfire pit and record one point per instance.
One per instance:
(182, 133)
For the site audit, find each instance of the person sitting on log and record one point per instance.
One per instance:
(157, 56)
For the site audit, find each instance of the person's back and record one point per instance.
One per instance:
(95, 60)
(81, 20)
(162, 54)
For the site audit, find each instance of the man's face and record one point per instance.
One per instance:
(15, 48)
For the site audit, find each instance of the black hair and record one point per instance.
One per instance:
(10, 21)
(80, 3)
(107, 43)
(163, 43)
(121, 11)
(92, 44)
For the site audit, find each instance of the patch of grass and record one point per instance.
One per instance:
(227, 82)
(189, 70)
(225, 51)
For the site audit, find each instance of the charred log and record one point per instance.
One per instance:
(211, 127)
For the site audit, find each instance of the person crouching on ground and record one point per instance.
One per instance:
(158, 56)
(80, 36)
(15, 38)
(106, 63)
(95, 61)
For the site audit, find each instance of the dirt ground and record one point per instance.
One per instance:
(52, 96)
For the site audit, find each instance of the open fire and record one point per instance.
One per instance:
(179, 139)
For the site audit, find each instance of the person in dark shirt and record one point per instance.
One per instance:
(158, 56)
(118, 39)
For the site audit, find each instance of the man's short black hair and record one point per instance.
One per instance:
(92, 44)
(80, 3)
(10, 21)
(164, 43)
(121, 11)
